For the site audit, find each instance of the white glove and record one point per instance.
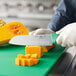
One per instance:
(41, 32)
(67, 35)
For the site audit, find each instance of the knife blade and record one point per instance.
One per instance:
(38, 40)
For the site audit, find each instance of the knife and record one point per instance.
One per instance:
(37, 40)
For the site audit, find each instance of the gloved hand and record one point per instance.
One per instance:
(67, 35)
(41, 32)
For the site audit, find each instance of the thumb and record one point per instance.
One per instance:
(31, 33)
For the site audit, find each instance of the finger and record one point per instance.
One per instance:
(64, 41)
(59, 40)
(43, 31)
(63, 45)
(32, 33)
(69, 44)
(39, 32)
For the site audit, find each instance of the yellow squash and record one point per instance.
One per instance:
(10, 30)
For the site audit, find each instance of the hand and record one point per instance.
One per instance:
(67, 35)
(41, 32)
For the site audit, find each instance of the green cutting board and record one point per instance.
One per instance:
(8, 53)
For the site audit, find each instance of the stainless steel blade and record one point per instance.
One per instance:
(38, 40)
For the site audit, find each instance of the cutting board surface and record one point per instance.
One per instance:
(8, 53)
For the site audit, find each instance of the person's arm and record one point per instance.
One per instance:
(63, 15)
